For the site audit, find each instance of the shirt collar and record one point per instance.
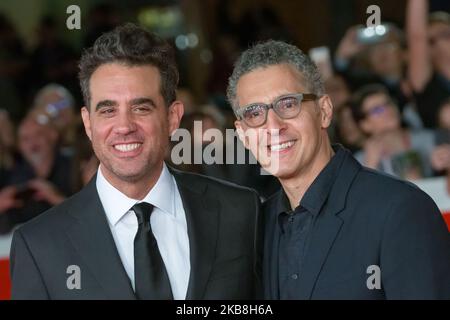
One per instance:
(317, 193)
(162, 195)
(116, 204)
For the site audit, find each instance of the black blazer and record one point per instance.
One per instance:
(368, 219)
(221, 219)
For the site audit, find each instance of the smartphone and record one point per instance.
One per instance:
(322, 58)
(372, 35)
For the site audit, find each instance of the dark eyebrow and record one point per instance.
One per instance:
(105, 103)
(142, 100)
(133, 102)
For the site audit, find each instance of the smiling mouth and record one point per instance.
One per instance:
(281, 146)
(127, 147)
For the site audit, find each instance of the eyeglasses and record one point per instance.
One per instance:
(286, 107)
(378, 109)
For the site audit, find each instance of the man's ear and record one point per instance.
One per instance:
(241, 133)
(326, 111)
(86, 121)
(175, 113)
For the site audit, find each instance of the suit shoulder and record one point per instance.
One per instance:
(381, 180)
(386, 186)
(219, 185)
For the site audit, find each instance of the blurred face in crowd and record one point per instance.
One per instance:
(207, 124)
(36, 141)
(349, 131)
(187, 98)
(295, 144)
(57, 107)
(6, 130)
(338, 91)
(386, 58)
(128, 122)
(381, 114)
(439, 40)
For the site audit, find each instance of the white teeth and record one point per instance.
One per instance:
(278, 147)
(127, 147)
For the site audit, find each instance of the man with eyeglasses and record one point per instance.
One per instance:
(336, 230)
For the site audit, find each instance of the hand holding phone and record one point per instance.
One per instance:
(373, 34)
(321, 57)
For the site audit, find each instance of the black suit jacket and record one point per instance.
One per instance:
(368, 219)
(221, 220)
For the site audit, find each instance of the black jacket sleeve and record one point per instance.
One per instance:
(415, 250)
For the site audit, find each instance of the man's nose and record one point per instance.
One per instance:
(275, 127)
(125, 123)
(274, 122)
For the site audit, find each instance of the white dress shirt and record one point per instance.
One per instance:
(168, 222)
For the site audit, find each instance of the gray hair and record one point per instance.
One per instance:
(270, 53)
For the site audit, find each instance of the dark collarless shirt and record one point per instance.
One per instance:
(296, 226)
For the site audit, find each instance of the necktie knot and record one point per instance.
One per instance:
(143, 211)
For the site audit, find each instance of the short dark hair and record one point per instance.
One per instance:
(359, 97)
(132, 46)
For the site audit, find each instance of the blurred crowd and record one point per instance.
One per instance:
(390, 91)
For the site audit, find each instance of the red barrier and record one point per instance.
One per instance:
(447, 219)
(5, 284)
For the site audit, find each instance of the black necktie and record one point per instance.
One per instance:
(150, 275)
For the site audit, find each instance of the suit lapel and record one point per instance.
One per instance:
(92, 238)
(202, 216)
(327, 227)
(324, 233)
